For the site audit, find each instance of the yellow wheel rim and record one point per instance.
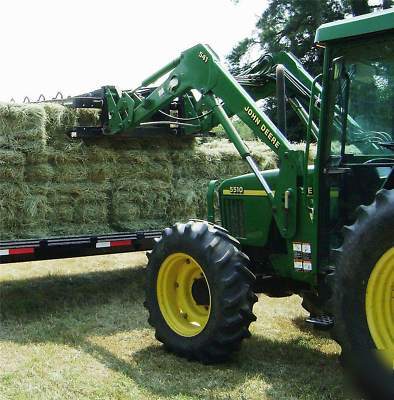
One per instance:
(380, 305)
(178, 282)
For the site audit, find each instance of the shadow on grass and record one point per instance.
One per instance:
(69, 309)
(35, 298)
(290, 369)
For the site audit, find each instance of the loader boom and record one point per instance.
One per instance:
(199, 69)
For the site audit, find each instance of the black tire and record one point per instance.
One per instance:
(364, 243)
(230, 282)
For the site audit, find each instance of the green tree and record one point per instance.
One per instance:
(290, 25)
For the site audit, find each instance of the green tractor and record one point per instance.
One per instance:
(324, 231)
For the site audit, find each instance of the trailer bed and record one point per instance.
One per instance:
(76, 246)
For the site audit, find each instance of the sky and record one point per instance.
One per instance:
(76, 46)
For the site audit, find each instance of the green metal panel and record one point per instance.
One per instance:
(257, 211)
(364, 24)
(247, 213)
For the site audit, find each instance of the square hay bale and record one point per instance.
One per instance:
(218, 159)
(25, 213)
(133, 200)
(159, 170)
(12, 166)
(70, 215)
(101, 152)
(188, 200)
(11, 209)
(101, 172)
(39, 173)
(58, 120)
(38, 156)
(22, 127)
(73, 204)
(61, 215)
(35, 220)
(87, 117)
(71, 173)
(69, 153)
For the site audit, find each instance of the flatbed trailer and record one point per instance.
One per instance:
(13, 251)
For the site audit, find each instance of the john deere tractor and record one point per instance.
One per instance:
(324, 231)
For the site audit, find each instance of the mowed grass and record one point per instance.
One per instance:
(77, 329)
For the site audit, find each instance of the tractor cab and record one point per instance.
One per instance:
(356, 152)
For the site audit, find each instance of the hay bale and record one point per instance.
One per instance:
(133, 200)
(101, 172)
(61, 215)
(144, 171)
(58, 120)
(22, 127)
(188, 200)
(35, 214)
(87, 117)
(11, 209)
(39, 173)
(76, 204)
(101, 153)
(12, 166)
(71, 173)
(70, 153)
(25, 213)
(37, 156)
(218, 159)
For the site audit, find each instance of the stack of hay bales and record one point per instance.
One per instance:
(51, 185)
(22, 134)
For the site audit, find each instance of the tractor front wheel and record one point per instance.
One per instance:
(199, 292)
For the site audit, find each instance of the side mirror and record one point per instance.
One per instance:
(338, 66)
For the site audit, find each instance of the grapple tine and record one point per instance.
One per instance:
(59, 96)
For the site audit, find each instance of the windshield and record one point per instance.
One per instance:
(364, 99)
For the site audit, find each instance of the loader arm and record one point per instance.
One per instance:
(199, 69)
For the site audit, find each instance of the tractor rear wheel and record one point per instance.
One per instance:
(199, 292)
(363, 297)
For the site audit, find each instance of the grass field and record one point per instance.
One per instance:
(77, 329)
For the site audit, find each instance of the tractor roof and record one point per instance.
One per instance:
(368, 23)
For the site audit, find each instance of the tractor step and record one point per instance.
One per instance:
(321, 322)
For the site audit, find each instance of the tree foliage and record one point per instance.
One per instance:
(291, 25)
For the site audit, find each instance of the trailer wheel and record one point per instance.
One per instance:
(199, 292)
(363, 297)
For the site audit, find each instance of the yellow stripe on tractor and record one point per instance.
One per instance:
(228, 192)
